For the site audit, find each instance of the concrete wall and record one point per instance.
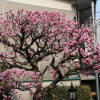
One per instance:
(58, 4)
(40, 5)
(84, 77)
(65, 83)
(2, 5)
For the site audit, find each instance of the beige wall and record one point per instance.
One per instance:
(58, 4)
(65, 83)
(2, 5)
(25, 95)
(40, 5)
(89, 77)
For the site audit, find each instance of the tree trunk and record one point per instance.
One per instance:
(45, 90)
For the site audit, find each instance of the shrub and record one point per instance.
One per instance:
(61, 93)
(84, 93)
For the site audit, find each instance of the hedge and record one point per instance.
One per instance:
(61, 93)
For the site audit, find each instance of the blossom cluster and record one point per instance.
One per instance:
(12, 79)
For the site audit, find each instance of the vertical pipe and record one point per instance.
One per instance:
(93, 13)
(78, 18)
(94, 34)
(97, 87)
(93, 19)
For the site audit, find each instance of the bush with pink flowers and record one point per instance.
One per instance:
(12, 79)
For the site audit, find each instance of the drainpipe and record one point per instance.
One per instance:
(94, 35)
(97, 86)
(93, 19)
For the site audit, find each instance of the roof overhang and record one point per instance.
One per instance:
(81, 4)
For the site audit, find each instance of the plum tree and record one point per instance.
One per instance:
(30, 37)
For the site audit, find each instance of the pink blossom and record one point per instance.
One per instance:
(2, 33)
(73, 42)
(83, 52)
(89, 49)
(97, 66)
(39, 95)
(66, 50)
(13, 34)
(97, 46)
(9, 76)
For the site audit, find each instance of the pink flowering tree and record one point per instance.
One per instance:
(12, 79)
(28, 38)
